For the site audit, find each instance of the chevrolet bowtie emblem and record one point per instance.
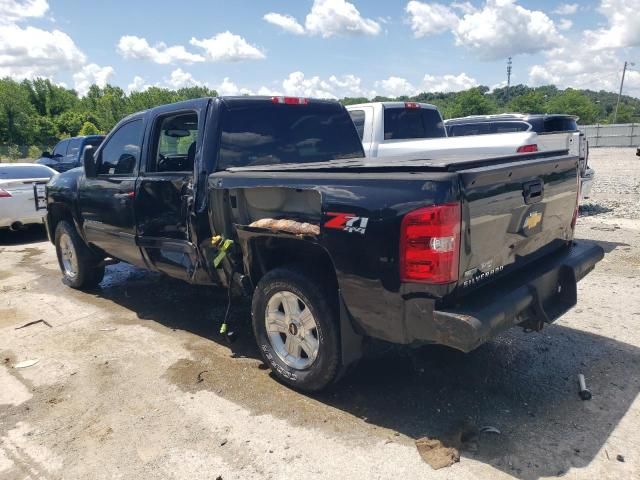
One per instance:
(533, 220)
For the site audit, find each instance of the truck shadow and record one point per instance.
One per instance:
(525, 385)
(29, 234)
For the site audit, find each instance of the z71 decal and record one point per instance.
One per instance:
(347, 222)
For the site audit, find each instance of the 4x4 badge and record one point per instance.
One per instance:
(348, 222)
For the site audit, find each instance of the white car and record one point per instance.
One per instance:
(17, 202)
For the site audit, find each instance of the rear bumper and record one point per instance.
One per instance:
(540, 295)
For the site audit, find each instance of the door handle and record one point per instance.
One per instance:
(124, 195)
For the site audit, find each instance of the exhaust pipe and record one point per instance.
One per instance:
(16, 226)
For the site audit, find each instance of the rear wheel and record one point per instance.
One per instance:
(296, 329)
(80, 268)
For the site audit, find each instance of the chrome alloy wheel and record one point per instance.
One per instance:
(292, 330)
(68, 256)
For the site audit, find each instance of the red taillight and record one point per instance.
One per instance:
(411, 105)
(290, 100)
(430, 244)
(528, 148)
(4, 193)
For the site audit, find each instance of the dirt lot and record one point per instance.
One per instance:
(133, 382)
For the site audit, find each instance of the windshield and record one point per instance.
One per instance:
(263, 133)
(405, 123)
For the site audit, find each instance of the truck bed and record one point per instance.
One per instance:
(515, 210)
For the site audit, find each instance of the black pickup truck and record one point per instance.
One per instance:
(273, 198)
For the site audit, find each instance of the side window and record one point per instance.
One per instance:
(508, 127)
(358, 116)
(60, 149)
(175, 143)
(73, 150)
(121, 153)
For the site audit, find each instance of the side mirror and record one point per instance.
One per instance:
(46, 154)
(89, 162)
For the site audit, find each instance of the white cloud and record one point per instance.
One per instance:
(286, 22)
(297, 85)
(623, 28)
(138, 84)
(181, 79)
(30, 52)
(396, 87)
(566, 9)
(448, 83)
(499, 29)
(565, 24)
(349, 86)
(12, 11)
(328, 18)
(567, 66)
(430, 18)
(503, 28)
(227, 87)
(89, 75)
(137, 48)
(228, 47)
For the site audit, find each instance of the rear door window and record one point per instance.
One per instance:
(264, 133)
(358, 118)
(469, 129)
(509, 127)
(406, 123)
(73, 150)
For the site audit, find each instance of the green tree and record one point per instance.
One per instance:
(574, 102)
(626, 114)
(530, 102)
(88, 128)
(70, 122)
(471, 102)
(16, 113)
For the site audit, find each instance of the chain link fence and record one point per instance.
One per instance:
(617, 135)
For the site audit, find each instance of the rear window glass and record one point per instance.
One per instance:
(8, 172)
(405, 123)
(560, 124)
(267, 134)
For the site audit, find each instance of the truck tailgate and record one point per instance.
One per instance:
(513, 213)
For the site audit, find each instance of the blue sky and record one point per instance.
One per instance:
(321, 47)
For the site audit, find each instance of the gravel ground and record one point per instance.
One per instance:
(132, 382)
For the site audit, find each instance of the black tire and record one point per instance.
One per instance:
(90, 271)
(324, 369)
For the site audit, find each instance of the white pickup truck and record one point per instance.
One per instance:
(390, 129)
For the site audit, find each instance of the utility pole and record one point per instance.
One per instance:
(508, 77)
(624, 71)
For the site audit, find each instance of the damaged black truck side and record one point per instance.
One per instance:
(273, 198)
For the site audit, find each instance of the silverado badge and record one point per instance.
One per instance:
(533, 220)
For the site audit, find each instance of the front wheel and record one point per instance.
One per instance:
(296, 329)
(80, 268)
